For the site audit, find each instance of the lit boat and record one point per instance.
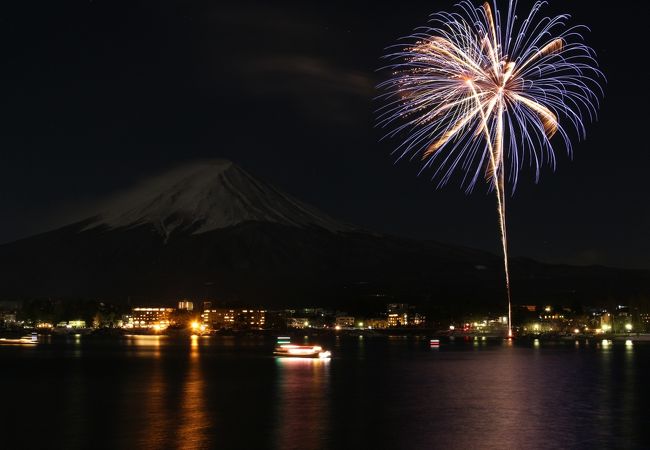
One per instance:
(25, 340)
(301, 351)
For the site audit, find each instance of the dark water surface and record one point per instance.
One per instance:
(384, 393)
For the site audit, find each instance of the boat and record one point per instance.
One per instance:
(30, 339)
(301, 351)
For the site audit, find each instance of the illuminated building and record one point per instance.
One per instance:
(644, 319)
(398, 314)
(344, 321)
(76, 324)
(150, 317)
(8, 317)
(224, 318)
(606, 322)
(622, 320)
(417, 320)
(185, 305)
(377, 324)
(251, 318)
(298, 322)
(539, 327)
(8, 311)
(220, 318)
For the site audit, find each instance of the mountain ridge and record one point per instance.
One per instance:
(205, 196)
(212, 231)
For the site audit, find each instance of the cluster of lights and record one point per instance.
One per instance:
(198, 327)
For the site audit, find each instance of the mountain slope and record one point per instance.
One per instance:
(210, 230)
(208, 196)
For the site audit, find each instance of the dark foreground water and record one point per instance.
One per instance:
(156, 392)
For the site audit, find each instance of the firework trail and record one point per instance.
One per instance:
(482, 92)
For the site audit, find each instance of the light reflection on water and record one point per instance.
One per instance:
(157, 392)
(149, 399)
(302, 403)
(145, 344)
(194, 423)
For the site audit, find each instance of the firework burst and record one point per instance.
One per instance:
(483, 93)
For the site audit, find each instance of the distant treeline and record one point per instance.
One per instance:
(54, 311)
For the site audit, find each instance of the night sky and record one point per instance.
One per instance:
(97, 95)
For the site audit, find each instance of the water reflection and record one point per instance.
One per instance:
(143, 345)
(302, 416)
(629, 396)
(151, 401)
(194, 424)
(154, 392)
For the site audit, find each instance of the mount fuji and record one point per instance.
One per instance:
(208, 196)
(209, 230)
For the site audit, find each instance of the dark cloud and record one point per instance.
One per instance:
(317, 87)
(291, 57)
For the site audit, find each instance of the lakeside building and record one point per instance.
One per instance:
(298, 322)
(228, 319)
(590, 320)
(158, 318)
(622, 320)
(644, 322)
(344, 321)
(398, 314)
(71, 324)
(376, 323)
(482, 325)
(219, 318)
(417, 320)
(403, 315)
(8, 318)
(254, 319)
(185, 305)
(8, 312)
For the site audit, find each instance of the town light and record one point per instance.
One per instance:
(628, 326)
(195, 325)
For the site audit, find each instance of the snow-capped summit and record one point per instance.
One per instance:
(206, 196)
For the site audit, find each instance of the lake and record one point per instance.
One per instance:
(379, 393)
